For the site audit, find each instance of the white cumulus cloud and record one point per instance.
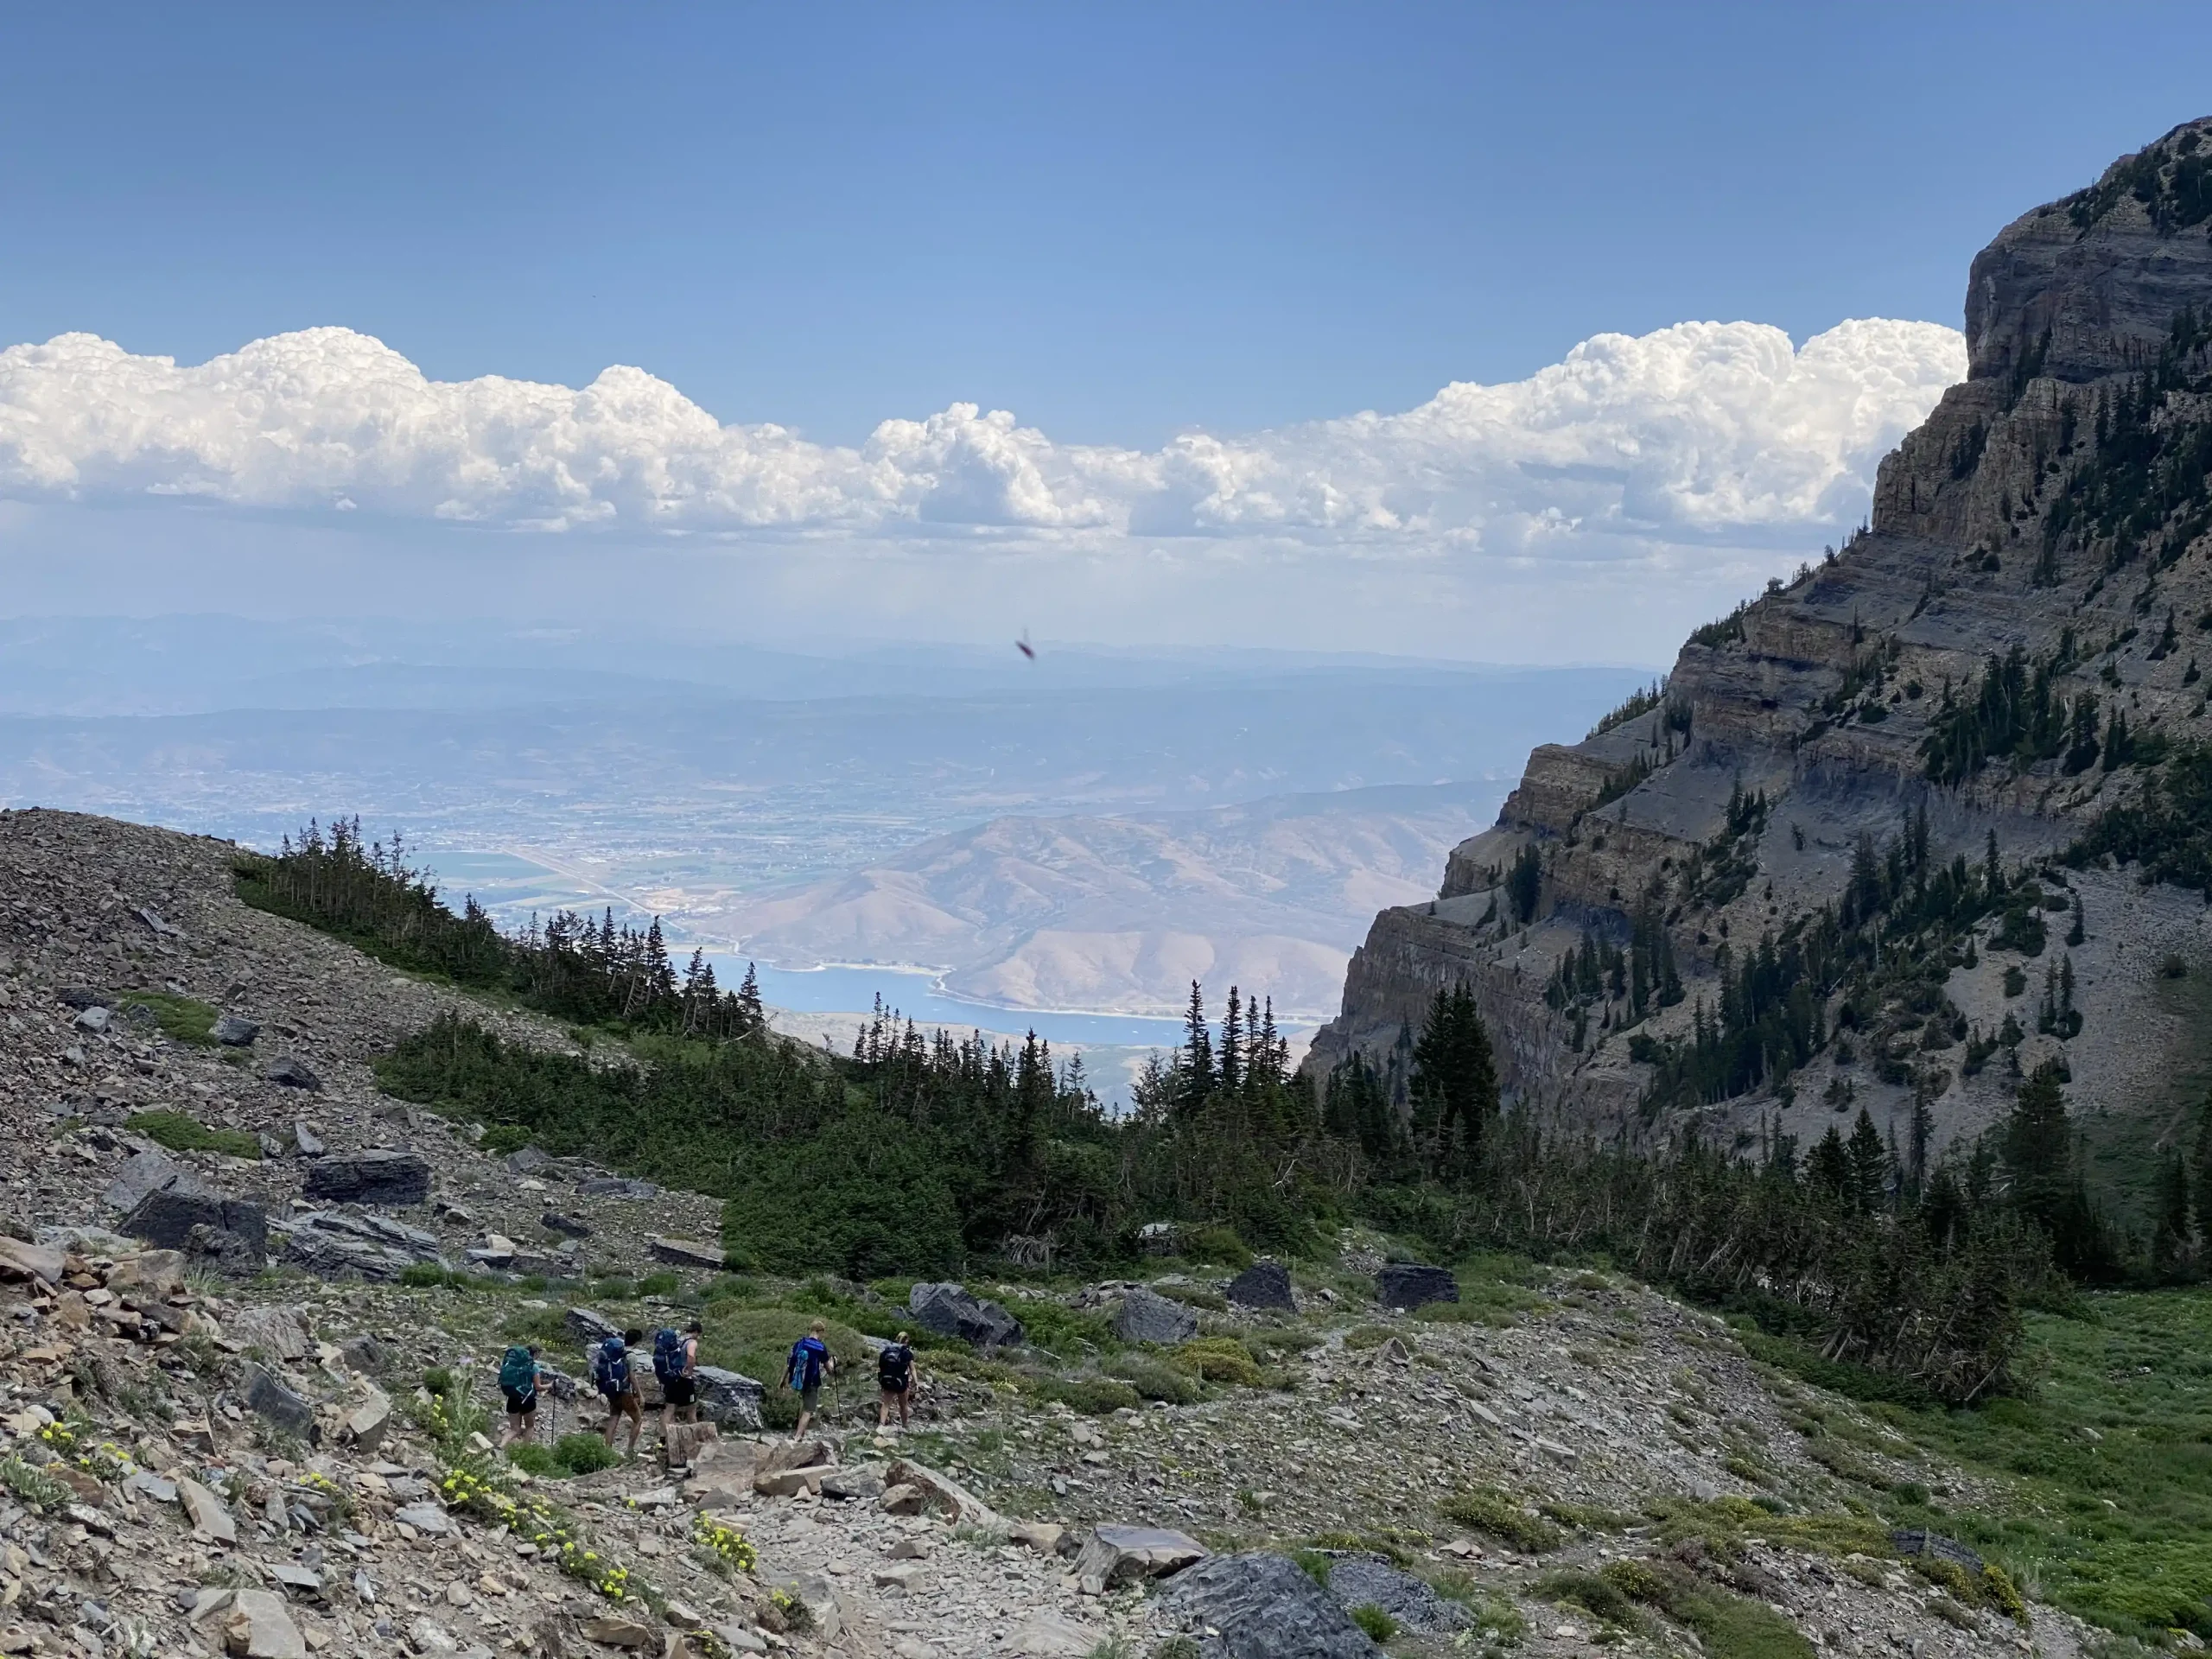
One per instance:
(1698, 432)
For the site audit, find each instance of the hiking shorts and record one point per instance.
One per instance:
(679, 1390)
(625, 1404)
(520, 1401)
(809, 1397)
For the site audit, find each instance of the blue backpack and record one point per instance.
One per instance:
(668, 1353)
(610, 1370)
(805, 1366)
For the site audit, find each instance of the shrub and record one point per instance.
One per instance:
(1491, 1511)
(1378, 1625)
(1221, 1359)
(181, 1018)
(424, 1275)
(1314, 1564)
(535, 1459)
(1219, 1245)
(1095, 1396)
(1154, 1379)
(181, 1134)
(438, 1380)
(1598, 1597)
(1368, 1336)
(583, 1453)
(664, 1283)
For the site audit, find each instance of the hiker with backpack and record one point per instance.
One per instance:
(610, 1373)
(809, 1364)
(895, 1374)
(675, 1363)
(518, 1373)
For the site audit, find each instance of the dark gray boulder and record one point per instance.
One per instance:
(1147, 1316)
(290, 1072)
(1409, 1284)
(81, 997)
(232, 1032)
(949, 1311)
(354, 1244)
(1262, 1606)
(616, 1187)
(166, 1214)
(273, 1402)
(223, 1251)
(366, 1354)
(1369, 1582)
(527, 1160)
(729, 1398)
(1263, 1284)
(389, 1178)
(554, 1221)
(588, 1326)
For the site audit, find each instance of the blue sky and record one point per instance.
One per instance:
(1119, 223)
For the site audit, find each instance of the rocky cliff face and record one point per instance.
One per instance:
(2057, 505)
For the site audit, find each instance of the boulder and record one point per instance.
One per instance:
(1263, 1284)
(290, 1071)
(1045, 1537)
(365, 1425)
(346, 1244)
(81, 997)
(613, 1631)
(424, 1517)
(147, 1276)
(1117, 1554)
(1409, 1284)
(687, 1443)
(1262, 1606)
(1370, 1581)
(942, 1494)
(281, 1332)
(273, 1402)
(210, 1518)
(949, 1310)
(307, 1140)
(257, 1626)
(93, 1019)
(143, 1172)
(904, 1500)
(687, 1253)
(848, 1484)
(383, 1177)
(588, 1326)
(364, 1354)
(221, 1251)
(1147, 1316)
(616, 1187)
(232, 1032)
(167, 1213)
(20, 1261)
(528, 1160)
(554, 1221)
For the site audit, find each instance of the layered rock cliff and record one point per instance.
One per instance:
(1823, 779)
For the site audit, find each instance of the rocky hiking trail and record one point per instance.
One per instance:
(250, 1312)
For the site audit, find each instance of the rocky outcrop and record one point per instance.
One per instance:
(2029, 513)
(949, 1311)
(385, 1177)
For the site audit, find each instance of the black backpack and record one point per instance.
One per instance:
(894, 1366)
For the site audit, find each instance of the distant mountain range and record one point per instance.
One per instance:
(1119, 914)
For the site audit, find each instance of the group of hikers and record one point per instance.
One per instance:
(675, 1368)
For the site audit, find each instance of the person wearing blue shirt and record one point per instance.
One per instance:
(809, 1364)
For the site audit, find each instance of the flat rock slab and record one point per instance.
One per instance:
(949, 1311)
(290, 1072)
(941, 1493)
(1147, 1316)
(1407, 1284)
(1263, 1284)
(273, 1402)
(687, 1253)
(1262, 1606)
(207, 1512)
(1118, 1554)
(387, 1178)
(1048, 1636)
(257, 1626)
(342, 1243)
(41, 1262)
(142, 1172)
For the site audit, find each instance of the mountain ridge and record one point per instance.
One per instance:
(2042, 533)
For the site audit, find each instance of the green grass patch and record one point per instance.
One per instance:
(1503, 1517)
(181, 1018)
(181, 1134)
(1378, 1625)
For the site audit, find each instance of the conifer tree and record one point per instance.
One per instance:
(1869, 1179)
